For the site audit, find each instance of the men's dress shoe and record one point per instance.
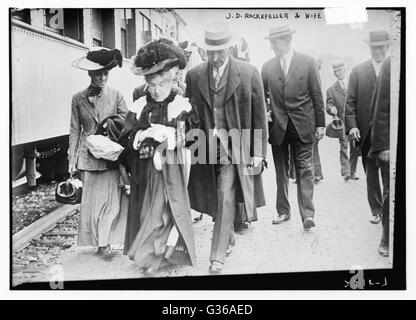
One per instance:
(355, 176)
(281, 218)
(215, 267)
(376, 219)
(383, 251)
(347, 177)
(308, 223)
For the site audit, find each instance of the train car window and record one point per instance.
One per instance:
(73, 24)
(128, 32)
(158, 31)
(21, 14)
(146, 29)
(103, 27)
(54, 20)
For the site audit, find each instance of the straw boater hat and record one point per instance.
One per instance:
(99, 58)
(279, 31)
(217, 36)
(156, 56)
(378, 38)
(337, 65)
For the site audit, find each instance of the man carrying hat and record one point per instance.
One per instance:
(292, 84)
(335, 104)
(358, 113)
(228, 95)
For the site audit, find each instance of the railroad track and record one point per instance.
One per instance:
(41, 244)
(58, 227)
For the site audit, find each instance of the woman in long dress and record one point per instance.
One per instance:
(159, 225)
(101, 223)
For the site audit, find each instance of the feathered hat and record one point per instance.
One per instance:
(99, 58)
(157, 55)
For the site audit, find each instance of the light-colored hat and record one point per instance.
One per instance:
(378, 38)
(99, 58)
(217, 36)
(279, 31)
(338, 64)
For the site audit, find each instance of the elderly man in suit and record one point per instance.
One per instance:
(380, 145)
(292, 85)
(335, 106)
(358, 113)
(228, 96)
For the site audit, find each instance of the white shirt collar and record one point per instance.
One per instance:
(377, 66)
(222, 68)
(288, 58)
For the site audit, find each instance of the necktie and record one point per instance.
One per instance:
(217, 77)
(284, 66)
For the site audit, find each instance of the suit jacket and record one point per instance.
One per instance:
(85, 119)
(361, 86)
(244, 109)
(335, 97)
(380, 132)
(298, 97)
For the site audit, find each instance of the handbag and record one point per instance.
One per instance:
(335, 129)
(69, 191)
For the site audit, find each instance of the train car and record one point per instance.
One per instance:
(44, 42)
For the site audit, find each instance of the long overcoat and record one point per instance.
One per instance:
(361, 87)
(244, 109)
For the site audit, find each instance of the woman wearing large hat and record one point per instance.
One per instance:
(159, 226)
(100, 224)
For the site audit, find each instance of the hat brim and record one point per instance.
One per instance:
(268, 37)
(200, 43)
(338, 68)
(84, 64)
(376, 43)
(154, 69)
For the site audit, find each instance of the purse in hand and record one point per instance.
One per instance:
(69, 191)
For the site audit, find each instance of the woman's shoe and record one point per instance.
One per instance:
(99, 251)
(107, 252)
(215, 267)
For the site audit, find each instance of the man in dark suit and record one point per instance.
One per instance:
(380, 145)
(358, 113)
(228, 96)
(292, 85)
(335, 106)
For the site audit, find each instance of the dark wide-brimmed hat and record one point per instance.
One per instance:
(337, 65)
(156, 56)
(378, 38)
(335, 129)
(99, 59)
(217, 36)
(279, 31)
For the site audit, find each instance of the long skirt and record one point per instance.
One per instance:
(103, 209)
(157, 226)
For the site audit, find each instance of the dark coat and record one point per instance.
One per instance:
(335, 97)
(173, 175)
(244, 109)
(361, 86)
(380, 131)
(298, 97)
